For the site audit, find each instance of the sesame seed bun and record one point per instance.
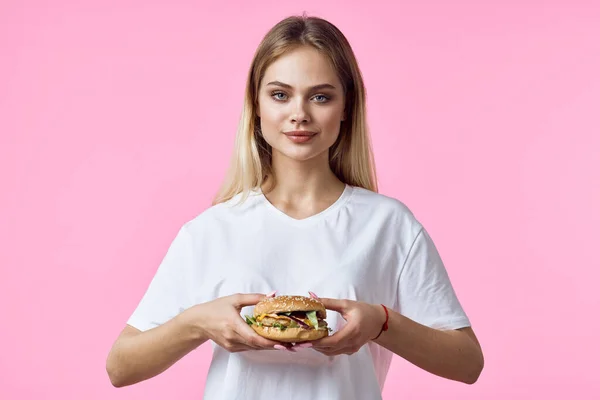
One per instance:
(290, 335)
(288, 304)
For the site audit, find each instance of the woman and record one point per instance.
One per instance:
(299, 213)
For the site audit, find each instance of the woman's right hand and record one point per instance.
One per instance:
(220, 321)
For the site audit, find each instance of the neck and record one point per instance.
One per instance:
(302, 180)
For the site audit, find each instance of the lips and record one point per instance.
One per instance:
(300, 133)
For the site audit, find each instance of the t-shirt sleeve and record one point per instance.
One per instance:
(425, 292)
(169, 291)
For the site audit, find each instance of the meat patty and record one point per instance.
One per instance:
(284, 321)
(269, 321)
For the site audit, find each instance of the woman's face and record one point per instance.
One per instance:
(300, 91)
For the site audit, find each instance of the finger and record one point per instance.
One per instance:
(249, 299)
(248, 342)
(245, 343)
(237, 343)
(334, 304)
(335, 340)
(250, 336)
(314, 296)
(304, 345)
(346, 350)
(272, 294)
(241, 347)
(286, 348)
(326, 352)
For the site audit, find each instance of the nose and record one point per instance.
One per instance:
(299, 113)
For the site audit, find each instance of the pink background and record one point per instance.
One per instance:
(117, 120)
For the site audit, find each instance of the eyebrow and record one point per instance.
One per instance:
(317, 87)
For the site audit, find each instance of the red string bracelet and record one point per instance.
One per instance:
(385, 324)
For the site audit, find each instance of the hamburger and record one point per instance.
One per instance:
(291, 319)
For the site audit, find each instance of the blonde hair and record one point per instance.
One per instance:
(350, 157)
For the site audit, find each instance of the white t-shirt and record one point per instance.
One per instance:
(365, 247)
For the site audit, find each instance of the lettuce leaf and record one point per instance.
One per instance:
(278, 325)
(312, 317)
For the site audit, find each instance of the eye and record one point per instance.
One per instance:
(281, 96)
(323, 97)
(275, 94)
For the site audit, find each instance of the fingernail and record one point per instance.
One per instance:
(279, 347)
(272, 294)
(304, 345)
(314, 296)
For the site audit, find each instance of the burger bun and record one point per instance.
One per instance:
(290, 335)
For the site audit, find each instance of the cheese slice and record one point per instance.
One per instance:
(275, 316)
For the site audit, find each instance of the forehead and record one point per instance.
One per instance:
(302, 67)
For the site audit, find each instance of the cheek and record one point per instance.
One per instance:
(332, 123)
(271, 116)
(329, 115)
(270, 125)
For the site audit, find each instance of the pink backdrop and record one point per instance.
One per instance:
(117, 120)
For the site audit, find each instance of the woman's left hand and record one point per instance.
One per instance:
(364, 322)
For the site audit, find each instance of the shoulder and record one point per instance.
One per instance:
(388, 211)
(223, 214)
(382, 204)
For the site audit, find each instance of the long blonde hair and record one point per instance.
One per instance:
(350, 157)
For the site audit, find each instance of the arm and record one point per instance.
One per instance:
(137, 356)
(452, 354)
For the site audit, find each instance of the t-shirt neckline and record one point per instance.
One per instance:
(346, 194)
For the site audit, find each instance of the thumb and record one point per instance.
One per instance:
(333, 304)
(247, 299)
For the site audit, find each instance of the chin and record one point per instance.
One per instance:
(302, 154)
(299, 157)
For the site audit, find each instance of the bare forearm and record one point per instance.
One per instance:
(141, 356)
(449, 354)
